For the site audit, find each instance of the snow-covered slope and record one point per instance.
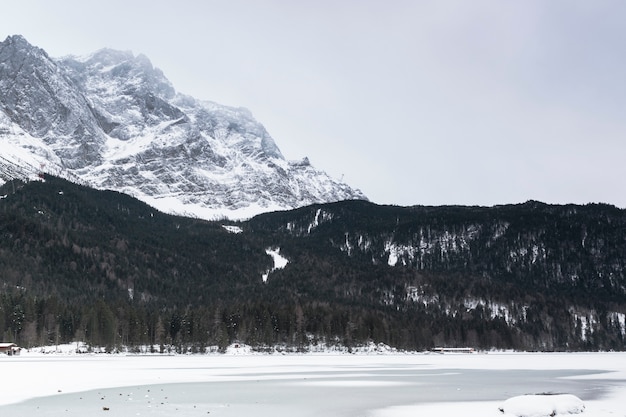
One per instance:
(113, 121)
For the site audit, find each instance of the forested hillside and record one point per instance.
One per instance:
(100, 266)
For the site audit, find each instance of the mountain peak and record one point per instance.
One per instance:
(17, 45)
(36, 96)
(114, 120)
(16, 40)
(107, 56)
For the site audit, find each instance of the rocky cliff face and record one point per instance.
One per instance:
(113, 121)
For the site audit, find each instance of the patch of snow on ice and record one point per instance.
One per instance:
(542, 405)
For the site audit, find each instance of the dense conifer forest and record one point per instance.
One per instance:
(100, 266)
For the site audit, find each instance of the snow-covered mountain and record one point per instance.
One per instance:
(112, 121)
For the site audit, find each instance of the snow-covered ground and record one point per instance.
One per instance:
(375, 385)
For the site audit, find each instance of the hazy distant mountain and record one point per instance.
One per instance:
(113, 121)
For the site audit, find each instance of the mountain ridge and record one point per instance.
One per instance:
(114, 121)
(529, 276)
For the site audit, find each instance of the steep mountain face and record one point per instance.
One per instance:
(113, 121)
(104, 267)
(37, 98)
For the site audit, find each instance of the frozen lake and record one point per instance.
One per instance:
(307, 385)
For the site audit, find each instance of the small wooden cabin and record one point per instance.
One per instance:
(10, 349)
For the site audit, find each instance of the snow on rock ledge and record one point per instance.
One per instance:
(544, 405)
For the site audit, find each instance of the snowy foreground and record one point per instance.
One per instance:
(592, 384)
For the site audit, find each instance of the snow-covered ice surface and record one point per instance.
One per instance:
(393, 385)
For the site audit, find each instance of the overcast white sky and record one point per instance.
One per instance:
(431, 102)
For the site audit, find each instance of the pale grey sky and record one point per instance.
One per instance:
(431, 102)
